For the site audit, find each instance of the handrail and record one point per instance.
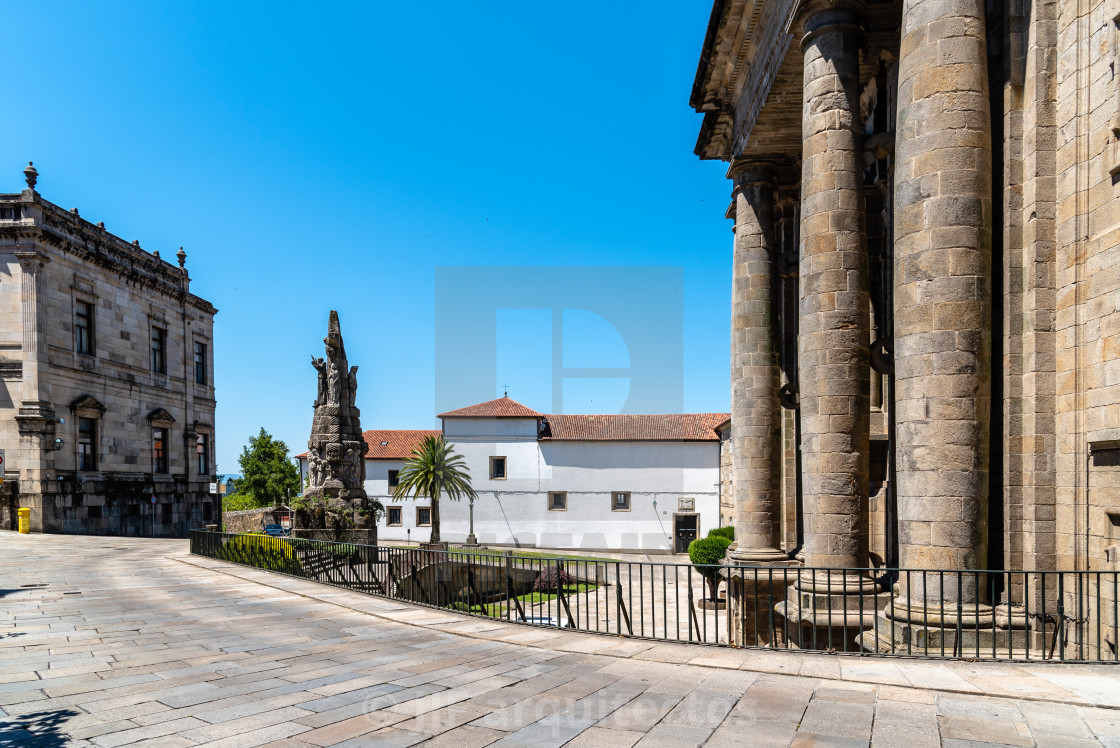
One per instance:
(1066, 616)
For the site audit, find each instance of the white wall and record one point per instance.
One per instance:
(514, 511)
(454, 428)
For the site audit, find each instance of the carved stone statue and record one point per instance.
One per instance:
(336, 450)
(334, 385)
(321, 366)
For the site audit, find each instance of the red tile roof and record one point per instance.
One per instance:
(503, 407)
(393, 444)
(670, 428)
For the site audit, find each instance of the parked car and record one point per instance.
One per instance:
(276, 531)
(544, 621)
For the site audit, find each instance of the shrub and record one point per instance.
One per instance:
(274, 554)
(706, 555)
(723, 532)
(549, 576)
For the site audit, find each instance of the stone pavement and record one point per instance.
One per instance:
(112, 641)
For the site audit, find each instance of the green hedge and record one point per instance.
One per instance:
(273, 554)
(723, 532)
(341, 550)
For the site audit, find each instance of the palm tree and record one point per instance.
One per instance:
(434, 470)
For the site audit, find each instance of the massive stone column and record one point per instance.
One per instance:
(943, 215)
(755, 409)
(834, 312)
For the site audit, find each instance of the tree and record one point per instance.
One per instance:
(267, 475)
(706, 555)
(434, 470)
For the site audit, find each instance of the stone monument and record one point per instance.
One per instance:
(336, 449)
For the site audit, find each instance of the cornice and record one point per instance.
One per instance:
(97, 253)
(751, 57)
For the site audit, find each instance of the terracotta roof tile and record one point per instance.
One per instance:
(671, 427)
(503, 407)
(393, 444)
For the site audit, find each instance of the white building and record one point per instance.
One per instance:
(591, 482)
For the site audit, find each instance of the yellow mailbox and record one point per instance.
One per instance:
(25, 520)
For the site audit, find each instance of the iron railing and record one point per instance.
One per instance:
(1068, 616)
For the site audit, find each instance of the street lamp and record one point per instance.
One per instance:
(471, 539)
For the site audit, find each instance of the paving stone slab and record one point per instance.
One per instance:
(208, 653)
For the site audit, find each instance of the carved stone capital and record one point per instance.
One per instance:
(748, 171)
(31, 261)
(816, 17)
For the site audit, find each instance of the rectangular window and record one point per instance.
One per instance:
(423, 516)
(200, 362)
(393, 516)
(203, 451)
(620, 501)
(159, 350)
(83, 327)
(87, 444)
(394, 478)
(159, 450)
(558, 501)
(497, 468)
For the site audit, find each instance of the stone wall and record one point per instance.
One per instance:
(56, 260)
(361, 537)
(247, 520)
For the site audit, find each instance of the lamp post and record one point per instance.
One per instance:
(471, 539)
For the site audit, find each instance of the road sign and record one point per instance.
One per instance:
(1, 461)
(153, 499)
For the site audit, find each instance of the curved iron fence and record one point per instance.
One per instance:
(1068, 616)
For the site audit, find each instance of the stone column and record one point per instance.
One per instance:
(34, 352)
(943, 215)
(35, 419)
(834, 309)
(755, 409)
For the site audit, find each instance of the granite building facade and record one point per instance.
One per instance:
(106, 379)
(926, 275)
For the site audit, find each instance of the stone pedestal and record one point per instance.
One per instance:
(970, 629)
(831, 611)
(753, 596)
(358, 537)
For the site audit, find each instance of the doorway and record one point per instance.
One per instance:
(686, 527)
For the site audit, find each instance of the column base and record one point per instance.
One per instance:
(754, 556)
(752, 596)
(942, 628)
(831, 613)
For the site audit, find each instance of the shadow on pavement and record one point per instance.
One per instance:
(38, 729)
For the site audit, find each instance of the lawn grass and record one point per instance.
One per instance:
(529, 599)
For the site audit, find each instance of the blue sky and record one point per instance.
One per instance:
(311, 158)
